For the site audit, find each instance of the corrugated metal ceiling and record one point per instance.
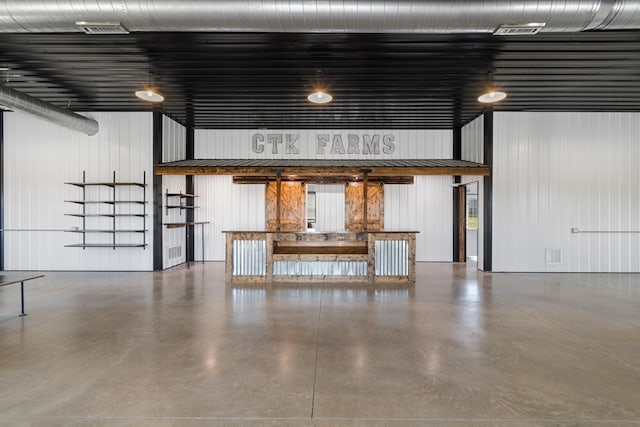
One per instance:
(260, 80)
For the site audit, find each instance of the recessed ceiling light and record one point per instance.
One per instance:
(149, 95)
(492, 96)
(320, 97)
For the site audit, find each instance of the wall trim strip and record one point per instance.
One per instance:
(488, 192)
(189, 141)
(1, 191)
(457, 155)
(157, 193)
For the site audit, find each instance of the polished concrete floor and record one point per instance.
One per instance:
(460, 348)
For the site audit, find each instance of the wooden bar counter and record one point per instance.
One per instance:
(373, 256)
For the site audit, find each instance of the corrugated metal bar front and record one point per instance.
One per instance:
(319, 268)
(249, 257)
(392, 257)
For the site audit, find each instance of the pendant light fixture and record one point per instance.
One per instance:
(320, 97)
(492, 93)
(320, 94)
(492, 96)
(149, 93)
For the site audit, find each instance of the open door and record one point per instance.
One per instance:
(459, 234)
(465, 220)
(471, 222)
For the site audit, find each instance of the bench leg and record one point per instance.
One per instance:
(22, 314)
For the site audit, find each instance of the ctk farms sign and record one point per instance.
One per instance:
(349, 144)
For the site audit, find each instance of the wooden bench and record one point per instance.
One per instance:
(7, 279)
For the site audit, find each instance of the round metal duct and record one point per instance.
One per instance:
(374, 16)
(19, 101)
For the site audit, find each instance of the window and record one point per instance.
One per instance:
(311, 206)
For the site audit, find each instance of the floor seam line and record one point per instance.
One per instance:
(315, 368)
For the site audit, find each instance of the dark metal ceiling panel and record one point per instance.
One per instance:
(260, 80)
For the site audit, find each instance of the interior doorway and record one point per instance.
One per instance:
(465, 220)
(471, 222)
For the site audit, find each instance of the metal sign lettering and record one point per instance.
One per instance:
(335, 144)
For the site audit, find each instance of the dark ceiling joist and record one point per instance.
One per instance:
(386, 81)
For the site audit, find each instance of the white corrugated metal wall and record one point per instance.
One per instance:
(39, 158)
(174, 147)
(424, 206)
(473, 141)
(553, 172)
(227, 206)
(558, 171)
(329, 207)
(473, 150)
(174, 140)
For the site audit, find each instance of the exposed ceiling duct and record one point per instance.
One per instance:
(19, 101)
(374, 16)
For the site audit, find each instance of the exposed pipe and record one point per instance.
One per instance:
(380, 16)
(19, 101)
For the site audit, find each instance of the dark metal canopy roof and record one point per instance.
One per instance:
(287, 167)
(260, 80)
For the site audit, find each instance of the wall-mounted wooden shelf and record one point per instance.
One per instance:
(107, 184)
(106, 202)
(181, 197)
(113, 201)
(107, 231)
(106, 245)
(106, 215)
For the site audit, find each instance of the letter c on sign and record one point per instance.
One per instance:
(256, 143)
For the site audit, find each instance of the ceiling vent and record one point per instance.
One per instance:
(519, 29)
(102, 27)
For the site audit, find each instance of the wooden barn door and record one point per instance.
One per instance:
(354, 206)
(292, 206)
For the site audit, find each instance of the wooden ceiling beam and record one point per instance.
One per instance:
(321, 171)
(315, 179)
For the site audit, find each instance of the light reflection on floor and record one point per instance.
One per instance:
(460, 348)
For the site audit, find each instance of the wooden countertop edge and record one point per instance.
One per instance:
(322, 232)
